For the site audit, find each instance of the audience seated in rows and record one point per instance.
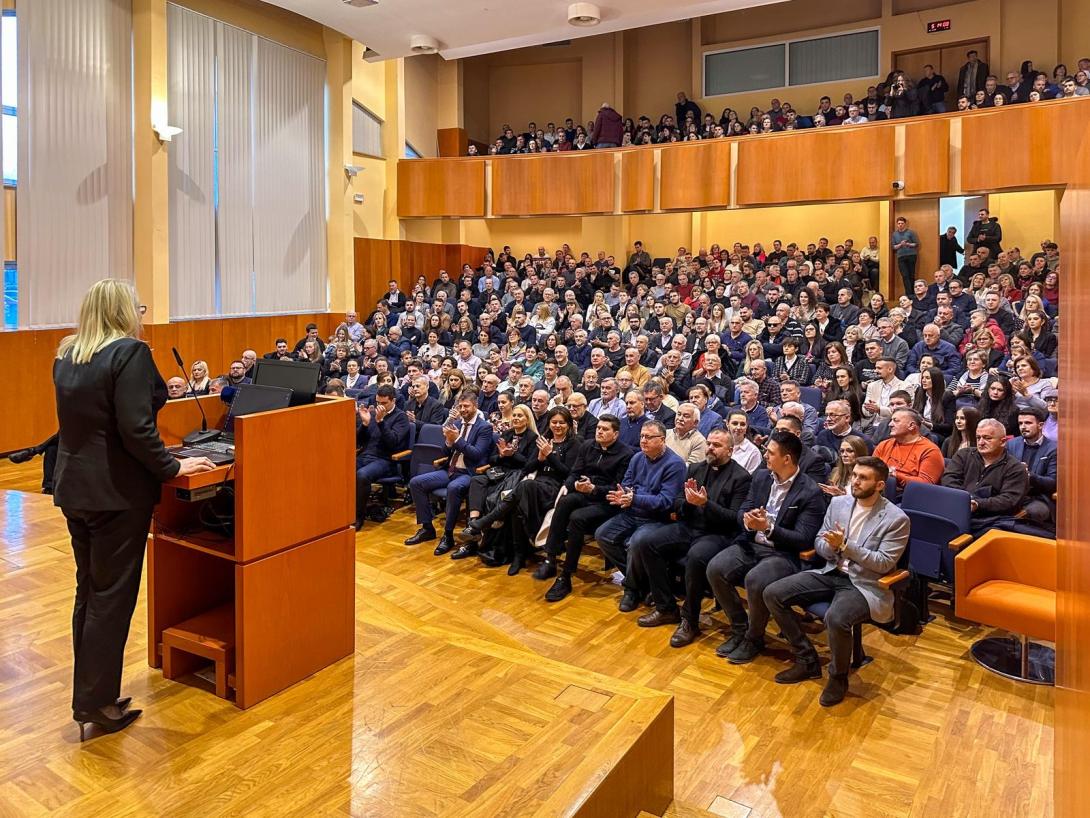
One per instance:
(898, 96)
(706, 419)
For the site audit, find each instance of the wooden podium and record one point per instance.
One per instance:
(275, 602)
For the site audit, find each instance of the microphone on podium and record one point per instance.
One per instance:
(204, 435)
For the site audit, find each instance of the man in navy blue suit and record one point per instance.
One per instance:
(1038, 454)
(382, 431)
(469, 443)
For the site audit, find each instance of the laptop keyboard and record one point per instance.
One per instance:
(217, 446)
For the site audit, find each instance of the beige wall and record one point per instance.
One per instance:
(656, 66)
(422, 103)
(1027, 217)
(804, 224)
(642, 69)
(504, 79)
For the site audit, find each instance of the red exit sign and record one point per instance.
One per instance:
(935, 26)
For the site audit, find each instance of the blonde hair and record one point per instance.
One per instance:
(524, 410)
(109, 312)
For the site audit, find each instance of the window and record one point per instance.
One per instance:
(411, 152)
(366, 131)
(744, 69)
(852, 55)
(828, 59)
(9, 95)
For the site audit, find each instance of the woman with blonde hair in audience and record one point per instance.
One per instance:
(839, 481)
(377, 324)
(464, 331)
(1031, 303)
(984, 343)
(199, 382)
(853, 345)
(978, 285)
(718, 319)
(755, 351)
(341, 338)
(963, 435)
(311, 352)
(542, 321)
(448, 391)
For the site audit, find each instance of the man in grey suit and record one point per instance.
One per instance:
(862, 539)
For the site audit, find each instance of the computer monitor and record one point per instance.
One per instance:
(250, 399)
(300, 377)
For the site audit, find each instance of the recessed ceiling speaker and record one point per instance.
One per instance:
(584, 14)
(423, 44)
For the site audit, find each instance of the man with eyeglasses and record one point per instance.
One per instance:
(653, 482)
(838, 425)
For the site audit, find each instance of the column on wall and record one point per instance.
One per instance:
(393, 143)
(151, 214)
(339, 230)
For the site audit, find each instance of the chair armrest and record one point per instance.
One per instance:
(894, 577)
(960, 541)
(401, 455)
(482, 469)
(808, 555)
(442, 461)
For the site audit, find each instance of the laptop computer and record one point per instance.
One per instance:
(249, 399)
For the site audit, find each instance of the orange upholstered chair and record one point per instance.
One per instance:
(1008, 581)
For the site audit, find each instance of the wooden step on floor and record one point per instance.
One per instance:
(678, 809)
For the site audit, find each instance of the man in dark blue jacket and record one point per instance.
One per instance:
(653, 482)
(1038, 454)
(382, 431)
(469, 443)
(780, 518)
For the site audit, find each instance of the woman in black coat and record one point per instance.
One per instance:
(557, 450)
(110, 466)
(515, 447)
(934, 403)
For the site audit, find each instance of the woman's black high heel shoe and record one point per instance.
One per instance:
(104, 722)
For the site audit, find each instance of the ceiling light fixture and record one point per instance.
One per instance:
(423, 44)
(584, 14)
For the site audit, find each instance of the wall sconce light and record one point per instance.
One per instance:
(165, 132)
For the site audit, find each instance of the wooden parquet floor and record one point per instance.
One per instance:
(924, 732)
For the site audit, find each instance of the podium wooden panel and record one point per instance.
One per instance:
(274, 603)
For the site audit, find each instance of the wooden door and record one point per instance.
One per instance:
(912, 62)
(946, 59)
(953, 58)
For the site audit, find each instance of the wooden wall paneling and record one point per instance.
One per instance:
(452, 141)
(1072, 790)
(440, 187)
(372, 271)
(553, 184)
(638, 179)
(1020, 145)
(695, 175)
(927, 156)
(923, 217)
(832, 163)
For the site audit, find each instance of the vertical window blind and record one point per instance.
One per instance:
(247, 182)
(75, 193)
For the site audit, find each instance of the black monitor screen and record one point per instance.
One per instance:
(250, 399)
(301, 378)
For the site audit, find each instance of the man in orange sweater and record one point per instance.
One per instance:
(909, 455)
